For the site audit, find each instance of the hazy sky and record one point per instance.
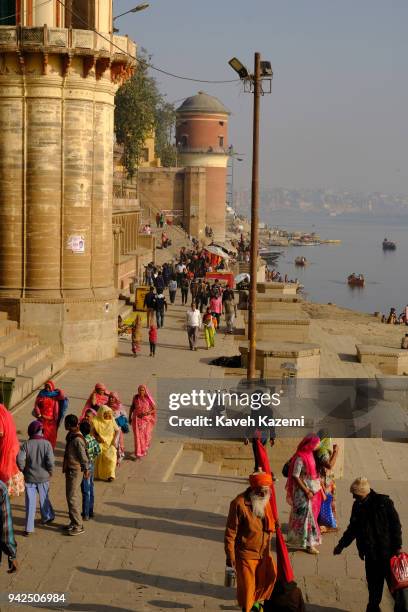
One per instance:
(337, 117)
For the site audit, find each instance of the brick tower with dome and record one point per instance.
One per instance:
(202, 142)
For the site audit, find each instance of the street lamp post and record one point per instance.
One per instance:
(136, 9)
(262, 72)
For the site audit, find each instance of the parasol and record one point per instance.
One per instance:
(217, 251)
(242, 277)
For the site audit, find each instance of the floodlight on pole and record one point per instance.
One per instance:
(239, 68)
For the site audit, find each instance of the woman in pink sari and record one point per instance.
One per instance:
(304, 494)
(143, 417)
(9, 448)
(98, 397)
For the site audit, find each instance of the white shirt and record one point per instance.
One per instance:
(193, 318)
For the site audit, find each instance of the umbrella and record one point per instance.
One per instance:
(285, 571)
(217, 251)
(227, 247)
(242, 277)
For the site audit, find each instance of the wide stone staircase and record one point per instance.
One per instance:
(25, 359)
(173, 459)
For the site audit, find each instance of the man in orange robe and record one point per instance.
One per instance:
(247, 540)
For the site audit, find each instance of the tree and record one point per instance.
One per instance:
(140, 111)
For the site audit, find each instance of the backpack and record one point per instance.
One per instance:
(285, 469)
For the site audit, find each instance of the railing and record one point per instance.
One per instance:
(217, 150)
(57, 39)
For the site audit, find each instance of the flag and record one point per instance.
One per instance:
(285, 571)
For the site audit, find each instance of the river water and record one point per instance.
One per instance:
(360, 251)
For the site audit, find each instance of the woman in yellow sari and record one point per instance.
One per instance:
(104, 429)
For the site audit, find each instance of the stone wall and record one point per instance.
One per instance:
(56, 140)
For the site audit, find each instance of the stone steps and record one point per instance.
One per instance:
(21, 346)
(189, 462)
(210, 469)
(11, 339)
(7, 326)
(23, 358)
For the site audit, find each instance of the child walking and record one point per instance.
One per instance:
(87, 485)
(36, 461)
(152, 340)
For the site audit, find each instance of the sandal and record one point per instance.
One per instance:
(312, 550)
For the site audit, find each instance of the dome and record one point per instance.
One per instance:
(203, 103)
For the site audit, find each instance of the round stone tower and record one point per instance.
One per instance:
(58, 79)
(202, 140)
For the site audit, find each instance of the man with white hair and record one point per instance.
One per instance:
(247, 540)
(376, 527)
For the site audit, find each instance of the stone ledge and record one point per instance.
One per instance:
(283, 349)
(388, 360)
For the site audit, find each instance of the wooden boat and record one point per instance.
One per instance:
(300, 261)
(356, 280)
(388, 245)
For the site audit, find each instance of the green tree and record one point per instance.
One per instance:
(141, 109)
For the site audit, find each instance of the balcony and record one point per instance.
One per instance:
(67, 40)
(203, 150)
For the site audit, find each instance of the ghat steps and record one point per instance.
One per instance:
(25, 359)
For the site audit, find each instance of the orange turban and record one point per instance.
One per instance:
(260, 479)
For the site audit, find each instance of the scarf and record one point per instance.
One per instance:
(105, 428)
(34, 429)
(305, 451)
(9, 445)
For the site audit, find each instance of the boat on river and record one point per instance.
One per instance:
(356, 280)
(301, 261)
(388, 245)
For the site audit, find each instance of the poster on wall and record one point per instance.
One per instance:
(76, 244)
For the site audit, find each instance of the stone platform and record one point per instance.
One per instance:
(266, 302)
(271, 355)
(280, 327)
(272, 288)
(391, 361)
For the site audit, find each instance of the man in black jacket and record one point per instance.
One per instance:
(376, 527)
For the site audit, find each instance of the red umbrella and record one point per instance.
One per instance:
(285, 571)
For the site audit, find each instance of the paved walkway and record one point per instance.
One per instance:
(157, 545)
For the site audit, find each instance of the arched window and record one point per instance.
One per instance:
(8, 12)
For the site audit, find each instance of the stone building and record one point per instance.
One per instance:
(195, 191)
(59, 70)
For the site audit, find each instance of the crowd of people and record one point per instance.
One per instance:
(273, 276)
(206, 301)
(94, 450)
(310, 488)
(396, 319)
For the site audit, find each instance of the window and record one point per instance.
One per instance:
(221, 122)
(220, 141)
(7, 12)
(145, 154)
(184, 140)
(80, 14)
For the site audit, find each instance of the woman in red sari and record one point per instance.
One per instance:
(47, 410)
(98, 397)
(143, 417)
(9, 448)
